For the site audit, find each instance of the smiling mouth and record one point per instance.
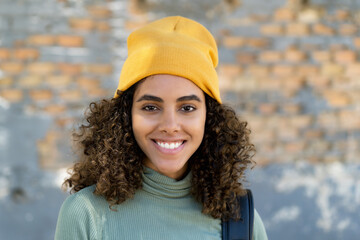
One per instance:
(169, 145)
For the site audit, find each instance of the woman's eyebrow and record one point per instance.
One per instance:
(149, 98)
(188, 98)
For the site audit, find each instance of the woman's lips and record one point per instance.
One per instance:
(169, 146)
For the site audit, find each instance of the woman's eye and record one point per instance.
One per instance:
(188, 108)
(150, 108)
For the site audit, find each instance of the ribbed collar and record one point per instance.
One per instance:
(163, 186)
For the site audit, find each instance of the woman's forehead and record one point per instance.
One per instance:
(165, 84)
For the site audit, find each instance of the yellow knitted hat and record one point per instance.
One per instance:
(172, 45)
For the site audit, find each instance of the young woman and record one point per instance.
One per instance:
(164, 158)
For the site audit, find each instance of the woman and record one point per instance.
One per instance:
(163, 159)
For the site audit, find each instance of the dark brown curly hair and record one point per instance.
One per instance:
(112, 160)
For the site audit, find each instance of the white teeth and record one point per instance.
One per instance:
(169, 146)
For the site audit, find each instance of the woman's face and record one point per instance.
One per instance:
(168, 120)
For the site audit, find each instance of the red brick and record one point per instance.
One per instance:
(258, 70)
(19, 43)
(301, 121)
(348, 29)
(294, 55)
(337, 47)
(262, 135)
(357, 42)
(234, 41)
(85, 24)
(349, 120)
(298, 29)
(262, 160)
(340, 145)
(309, 15)
(272, 29)
(257, 42)
(342, 15)
(345, 56)
(225, 32)
(30, 81)
(319, 82)
(98, 93)
(5, 82)
(229, 70)
(313, 134)
(341, 82)
(88, 83)
(328, 120)
(12, 67)
(268, 108)
(322, 29)
(225, 83)
(132, 25)
(295, 147)
(40, 95)
(255, 121)
(245, 58)
(337, 98)
(137, 7)
(55, 109)
(332, 158)
(268, 84)
(307, 70)
(71, 95)
(99, 11)
(293, 83)
(41, 68)
(70, 41)
(12, 95)
(48, 151)
(103, 26)
(5, 54)
(64, 122)
(354, 94)
(277, 122)
(42, 40)
(102, 69)
(332, 70)
(289, 134)
(292, 108)
(26, 54)
(283, 70)
(243, 84)
(56, 81)
(322, 56)
(352, 69)
(271, 56)
(70, 68)
(284, 14)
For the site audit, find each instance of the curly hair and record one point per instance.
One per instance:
(111, 159)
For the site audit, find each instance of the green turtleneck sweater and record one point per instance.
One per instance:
(162, 209)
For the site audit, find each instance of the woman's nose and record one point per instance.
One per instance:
(169, 122)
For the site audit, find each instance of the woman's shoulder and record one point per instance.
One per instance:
(80, 215)
(259, 232)
(85, 200)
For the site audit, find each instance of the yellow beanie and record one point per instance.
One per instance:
(172, 45)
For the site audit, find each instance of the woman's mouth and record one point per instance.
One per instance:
(169, 145)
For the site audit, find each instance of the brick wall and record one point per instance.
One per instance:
(295, 79)
(292, 72)
(55, 58)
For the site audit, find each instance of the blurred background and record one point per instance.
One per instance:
(291, 68)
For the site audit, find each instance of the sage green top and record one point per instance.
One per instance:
(162, 209)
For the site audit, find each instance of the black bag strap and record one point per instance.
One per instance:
(242, 229)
